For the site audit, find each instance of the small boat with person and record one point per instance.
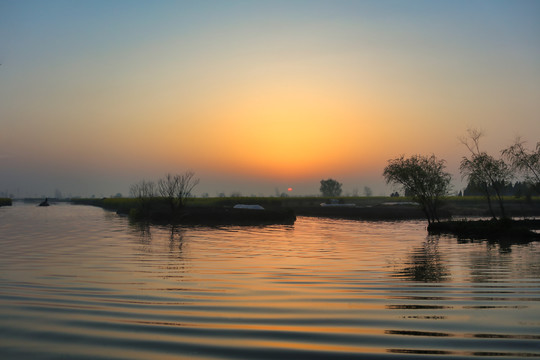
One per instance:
(44, 202)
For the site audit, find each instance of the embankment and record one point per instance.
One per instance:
(158, 210)
(217, 210)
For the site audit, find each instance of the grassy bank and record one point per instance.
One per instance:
(451, 206)
(477, 206)
(5, 202)
(372, 207)
(400, 208)
(120, 205)
(201, 211)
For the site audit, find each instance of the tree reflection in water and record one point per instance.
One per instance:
(176, 240)
(425, 263)
(173, 234)
(143, 230)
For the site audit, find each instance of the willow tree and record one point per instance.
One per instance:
(424, 177)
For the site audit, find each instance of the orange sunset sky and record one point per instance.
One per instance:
(256, 96)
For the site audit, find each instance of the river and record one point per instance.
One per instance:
(79, 282)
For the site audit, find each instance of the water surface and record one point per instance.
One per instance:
(80, 282)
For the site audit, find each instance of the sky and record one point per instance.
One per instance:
(257, 96)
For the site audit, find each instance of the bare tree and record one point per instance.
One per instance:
(424, 178)
(168, 188)
(144, 191)
(472, 142)
(525, 160)
(484, 171)
(186, 184)
(177, 188)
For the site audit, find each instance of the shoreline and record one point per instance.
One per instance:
(503, 230)
(219, 211)
(216, 216)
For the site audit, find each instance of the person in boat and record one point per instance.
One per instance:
(44, 203)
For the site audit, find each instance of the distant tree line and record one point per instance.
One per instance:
(517, 189)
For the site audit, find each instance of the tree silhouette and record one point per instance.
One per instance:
(330, 187)
(423, 178)
(186, 184)
(143, 191)
(168, 187)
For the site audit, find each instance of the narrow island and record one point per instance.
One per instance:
(215, 211)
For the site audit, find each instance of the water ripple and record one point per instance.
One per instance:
(79, 282)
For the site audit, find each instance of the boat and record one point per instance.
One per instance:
(45, 202)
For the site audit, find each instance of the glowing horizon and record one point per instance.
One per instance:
(259, 95)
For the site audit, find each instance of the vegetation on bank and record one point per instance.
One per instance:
(123, 205)
(283, 210)
(120, 205)
(209, 211)
(5, 202)
(372, 207)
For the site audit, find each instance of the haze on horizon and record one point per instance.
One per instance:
(256, 96)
